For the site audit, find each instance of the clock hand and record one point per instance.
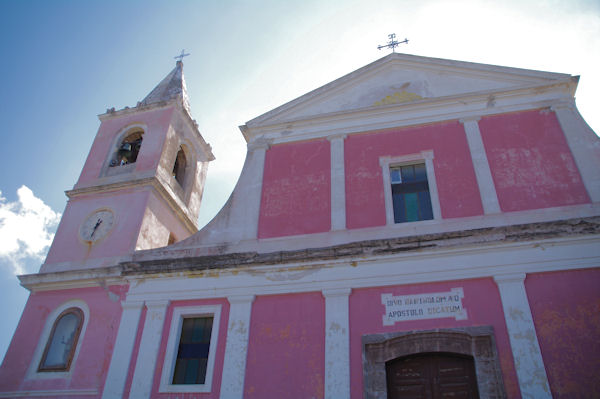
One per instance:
(98, 223)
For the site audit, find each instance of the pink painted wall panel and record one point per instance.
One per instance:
(219, 357)
(455, 176)
(128, 206)
(531, 163)
(366, 314)
(566, 311)
(296, 196)
(91, 365)
(286, 353)
(156, 121)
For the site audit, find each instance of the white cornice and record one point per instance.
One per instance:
(455, 107)
(97, 277)
(450, 259)
(161, 187)
(481, 261)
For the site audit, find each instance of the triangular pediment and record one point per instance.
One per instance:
(401, 79)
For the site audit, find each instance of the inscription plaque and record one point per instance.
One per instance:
(423, 306)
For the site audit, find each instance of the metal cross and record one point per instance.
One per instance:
(180, 56)
(393, 43)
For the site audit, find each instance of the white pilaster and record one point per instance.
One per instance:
(529, 364)
(338, 183)
(584, 145)
(121, 355)
(236, 347)
(337, 343)
(143, 376)
(483, 174)
(252, 190)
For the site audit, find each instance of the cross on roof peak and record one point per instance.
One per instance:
(393, 43)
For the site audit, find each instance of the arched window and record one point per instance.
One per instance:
(179, 167)
(128, 149)
(62, 341)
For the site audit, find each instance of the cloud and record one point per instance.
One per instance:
(26, 231)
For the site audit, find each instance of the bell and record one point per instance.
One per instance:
(126, 147)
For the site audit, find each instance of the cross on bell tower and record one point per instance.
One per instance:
(179, 57)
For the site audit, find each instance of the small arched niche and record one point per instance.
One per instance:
(128, 148)
(180, 167)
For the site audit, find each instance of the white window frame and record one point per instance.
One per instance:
(388, 162)
(32, 371)
(179, 313)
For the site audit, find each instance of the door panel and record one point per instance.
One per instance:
(431, 376)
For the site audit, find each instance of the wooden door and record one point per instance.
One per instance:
(431, 376)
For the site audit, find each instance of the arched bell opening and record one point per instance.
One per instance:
(179, 168)
(128, 149)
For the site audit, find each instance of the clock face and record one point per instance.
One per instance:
(97, 225)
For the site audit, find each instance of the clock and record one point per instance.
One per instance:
(97, 225)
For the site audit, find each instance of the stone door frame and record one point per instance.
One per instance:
(477, 342)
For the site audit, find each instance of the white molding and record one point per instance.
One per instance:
(179, 313)
(481, 166)
(584, 145)
(32, 370)
(123, 349)
(526, 352)
(388, 161)
(145, 366)
(338, 182)
(429, 110)
(442, 264)
(236, 348)
(337, 343)
(50, 392)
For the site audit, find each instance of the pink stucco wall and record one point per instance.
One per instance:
(128, 206)
(296, 196)
(156, 122)
(481, 300)
(531, 163)
(91, 365)
(566, 307)
(220, 354)
(455, 176)
(287, 345)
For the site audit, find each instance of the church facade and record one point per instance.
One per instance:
(417, 228)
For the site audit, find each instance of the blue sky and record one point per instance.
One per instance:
(64, 62)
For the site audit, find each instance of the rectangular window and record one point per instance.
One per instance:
(192, 354)
(191, 349)
(410, 193)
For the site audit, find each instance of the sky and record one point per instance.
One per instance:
(65, 62)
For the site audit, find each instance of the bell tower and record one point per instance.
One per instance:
(141, 185)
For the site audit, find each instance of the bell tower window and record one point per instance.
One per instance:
(128, 149)
(179, 167)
